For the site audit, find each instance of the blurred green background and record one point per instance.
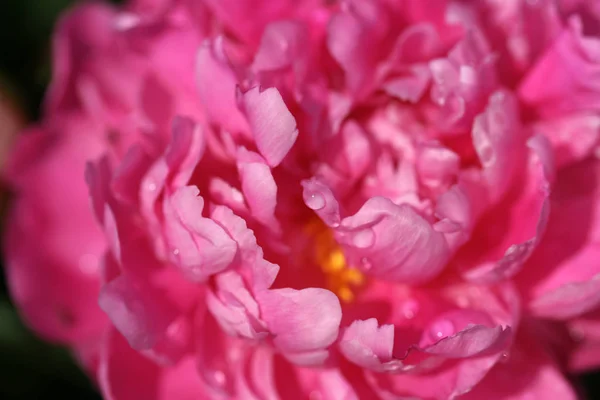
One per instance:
(29, 368)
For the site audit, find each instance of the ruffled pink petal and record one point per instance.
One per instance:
(437, 167)
(560, 281)
(573, 137)
(568, 301)
(497, 139)
(234, 307)
(457, 215)
(354, 39)
(566, 78)
(258, 186)
(303, 322)
(284, 44)
(462, 81)
(370, 346)
(199, 245)
(393, 242)
(473, 341)
(136, 310)
(319, 198)
(411, 87)
(217, 85)
(258, 272)
(273, 126)
(530, 213)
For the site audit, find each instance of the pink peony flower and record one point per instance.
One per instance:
(365, 199)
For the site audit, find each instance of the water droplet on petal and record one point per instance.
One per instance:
(315, 201)
(364, 238)
(366, 263)
(219, 378)
(410, 309)
(504, 357)
(441, 329)
(152, 186)
(176, 252)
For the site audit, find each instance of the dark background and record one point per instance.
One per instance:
(29, 368)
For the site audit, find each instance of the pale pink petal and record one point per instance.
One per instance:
(437, 167)
(393, 242)
(256, 270)
(370, 346)
(319, 198)
(497, 138)
(258, 186)
(199, 245)
(354, 38)
(573, 137)
(411, 87)
(301, 321)
(273, 126)
(568, 301)
(234, 307)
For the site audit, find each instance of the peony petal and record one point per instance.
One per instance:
(568, 301)
(530, 212)
(217, 85)
(136, 310)
(272, 125)
(473, 341)
(234, 307)
(370, 346)
(566, 77)
(319, 198)
(301, 321)
(497, 136)
(393, 242)
(258, 186)
(200, 246)
(561, 274)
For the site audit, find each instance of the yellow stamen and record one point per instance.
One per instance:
(341, 278)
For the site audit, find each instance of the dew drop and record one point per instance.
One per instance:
(441, 329)
(152, 186)
(315, 201)
(176, 252)
(366, 263)
(504, 357)
(410, 309)
(364, 239)
(219, 377)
